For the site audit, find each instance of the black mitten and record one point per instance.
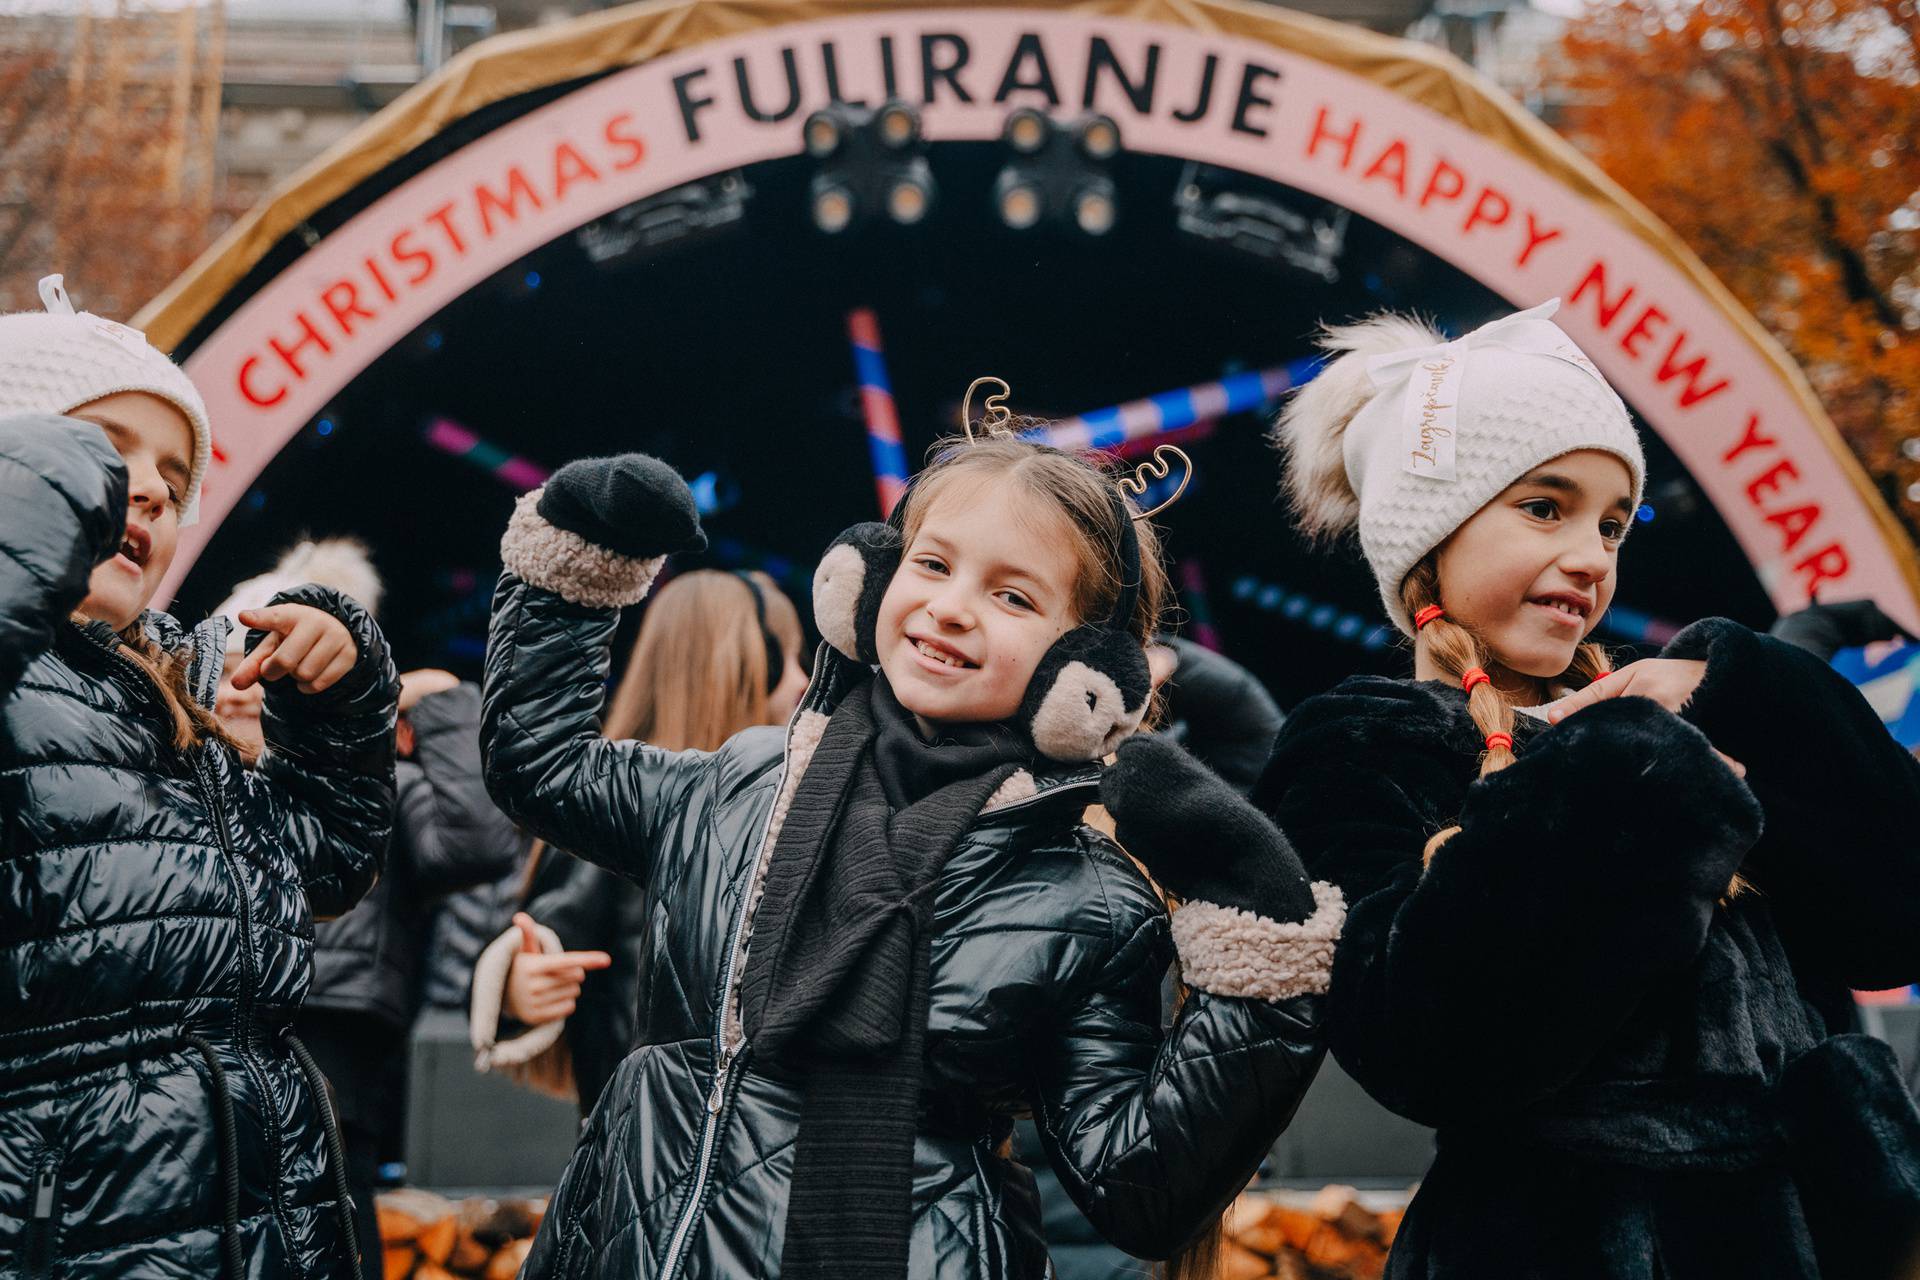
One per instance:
(630, 504)
(1198, 836)
(1825, 629)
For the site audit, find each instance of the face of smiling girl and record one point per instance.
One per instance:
(984, 589)
(1532, 572)
(155, 442)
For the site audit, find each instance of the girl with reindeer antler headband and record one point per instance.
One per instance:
(880, 937)
(1585, 900)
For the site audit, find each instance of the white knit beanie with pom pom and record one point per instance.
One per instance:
(1407, 435)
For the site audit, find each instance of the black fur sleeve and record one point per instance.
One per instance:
(1581, 876)
(1839, 860)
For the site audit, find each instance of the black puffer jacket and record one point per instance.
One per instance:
(447, 836)
(1046, 972)
(156, 919)
(1624, 1080)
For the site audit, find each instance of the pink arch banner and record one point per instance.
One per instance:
(1727, 407)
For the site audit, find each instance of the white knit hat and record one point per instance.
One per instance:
(340, 563)
(1407, 435)
(56, 360)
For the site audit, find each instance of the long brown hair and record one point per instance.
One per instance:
(190, 724)
(1456, 650)
(697, 673)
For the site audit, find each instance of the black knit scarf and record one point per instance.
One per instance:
(836, 978)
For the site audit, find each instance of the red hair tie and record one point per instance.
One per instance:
(1602, 676)
(1426, 615)
(1473, 677)
(1499, 740)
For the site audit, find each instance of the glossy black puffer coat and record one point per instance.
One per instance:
(1046, 973)
(156, 919)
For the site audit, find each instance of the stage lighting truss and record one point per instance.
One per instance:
(872, 164)
(1058, 172)
(695, 210)
(1225, 207)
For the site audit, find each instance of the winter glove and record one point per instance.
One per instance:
(1825, 629)
(1197, 836)
(631, 504)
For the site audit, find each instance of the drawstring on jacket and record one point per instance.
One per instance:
(225, 1132)
(336, 1151)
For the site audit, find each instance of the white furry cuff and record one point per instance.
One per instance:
(1229, 952)
(568, 565)
(490, 994)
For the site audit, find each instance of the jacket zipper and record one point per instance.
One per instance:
(244, 1007)
(728, 1054)
(40, 1222)
(717, 1096)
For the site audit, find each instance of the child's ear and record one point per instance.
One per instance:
(848, 585)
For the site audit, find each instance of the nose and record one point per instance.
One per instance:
(1587, 556)
(950, 607)
(146, 488)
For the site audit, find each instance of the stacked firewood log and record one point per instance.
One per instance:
(1329, 1236)
(428, 1237)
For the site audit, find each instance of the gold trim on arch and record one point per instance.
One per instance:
(526, 60)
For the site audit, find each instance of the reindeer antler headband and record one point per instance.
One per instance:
(998, 421)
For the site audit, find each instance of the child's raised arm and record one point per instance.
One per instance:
(576, 552)
(64, 490)
(1153, 1136)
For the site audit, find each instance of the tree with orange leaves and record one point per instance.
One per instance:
(107, 167)
(1781, 139)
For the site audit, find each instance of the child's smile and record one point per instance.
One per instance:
(984, 589)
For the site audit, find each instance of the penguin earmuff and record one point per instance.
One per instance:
(1091, 687)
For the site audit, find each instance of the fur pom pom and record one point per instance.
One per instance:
(1311, 430)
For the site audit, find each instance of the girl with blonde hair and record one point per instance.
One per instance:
(882, 935)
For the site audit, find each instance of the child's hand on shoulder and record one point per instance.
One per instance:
(309, 644)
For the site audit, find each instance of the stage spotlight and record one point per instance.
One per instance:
(898, 125)
(1098, 136)
(823, 133)
(1058, 173)
(871, 162)
(1027, 131)
(1018, 199)
(833, 205)
(909, 199)
(1093, 208)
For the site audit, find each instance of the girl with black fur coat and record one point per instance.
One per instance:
(877, 938)
(1580, 898)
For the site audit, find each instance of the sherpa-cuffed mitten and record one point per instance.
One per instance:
(598, 532)
(633, 504)
(1251, 923)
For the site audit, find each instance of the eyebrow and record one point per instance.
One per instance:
(1568, 485)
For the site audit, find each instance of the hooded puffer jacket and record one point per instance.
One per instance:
(1624, 1079)
(1046, 969)
(156, 918)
